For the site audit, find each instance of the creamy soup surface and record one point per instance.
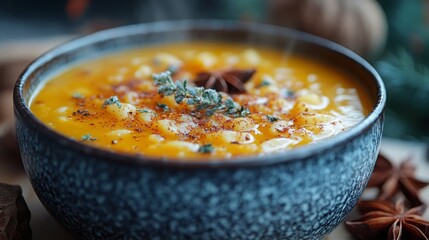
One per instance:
(114, 102)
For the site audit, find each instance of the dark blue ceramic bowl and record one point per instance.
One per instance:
(299, 194)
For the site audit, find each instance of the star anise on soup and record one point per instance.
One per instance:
(392, 179)
(383, 220)
(228, 81)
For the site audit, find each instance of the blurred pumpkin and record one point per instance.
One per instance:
(359, 25)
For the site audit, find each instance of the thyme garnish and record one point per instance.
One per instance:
(112, 100)
(143, 110)
(207, 148)
(163, 107)
(286, 93)
(208, 100)
(264, 83)
(272, 118)
(88, 137)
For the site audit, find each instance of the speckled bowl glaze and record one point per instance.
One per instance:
(299, 194)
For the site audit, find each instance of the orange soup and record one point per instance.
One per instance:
(201, 100)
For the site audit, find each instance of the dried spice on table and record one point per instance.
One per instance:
(392, 179)
(384, 220)
(228, 81)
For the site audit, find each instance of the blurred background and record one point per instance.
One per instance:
(392, 34)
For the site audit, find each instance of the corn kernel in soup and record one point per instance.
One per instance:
(288, 101)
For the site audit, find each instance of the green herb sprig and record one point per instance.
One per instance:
(264, 83)
(206, 148)
(207, 100)
(112, 100)
(88, 137)
(144, 110)
(164, 107)
(272, 118)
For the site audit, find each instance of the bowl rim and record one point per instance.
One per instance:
(22, 110)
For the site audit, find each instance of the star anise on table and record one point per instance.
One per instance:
(391, 179)
(383, 220)
(228, 81)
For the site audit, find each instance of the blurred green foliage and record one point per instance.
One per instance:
(405, 70)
